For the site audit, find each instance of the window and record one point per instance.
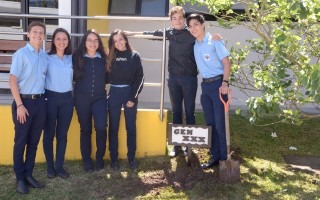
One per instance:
(44, 3)
(155, 8)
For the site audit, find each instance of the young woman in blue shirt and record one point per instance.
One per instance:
(59, 102)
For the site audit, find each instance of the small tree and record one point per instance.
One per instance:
(286, 67)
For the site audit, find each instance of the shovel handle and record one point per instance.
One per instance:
(226, 116)
(226, 103)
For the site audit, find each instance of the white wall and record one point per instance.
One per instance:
(65, 9)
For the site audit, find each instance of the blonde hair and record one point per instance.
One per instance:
(177, 9)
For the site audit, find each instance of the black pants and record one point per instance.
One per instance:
(27, 136)
(88, 107)
(59, 115)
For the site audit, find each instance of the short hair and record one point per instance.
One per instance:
(177, 9)
(36, 23)
(197, 17)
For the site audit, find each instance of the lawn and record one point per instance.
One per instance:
(264, 173)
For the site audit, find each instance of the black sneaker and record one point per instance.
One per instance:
(184, 152)
(211, 163)
(133, 164)
(115, 165)
(175, 151)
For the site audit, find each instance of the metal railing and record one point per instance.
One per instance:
(162, 60)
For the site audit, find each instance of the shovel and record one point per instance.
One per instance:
(229, 170)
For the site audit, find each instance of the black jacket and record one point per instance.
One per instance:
(181, 58)
(91, 77)
(127, 70)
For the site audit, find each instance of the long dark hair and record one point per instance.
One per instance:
(113, 50)
(78, 56)
(53, 49)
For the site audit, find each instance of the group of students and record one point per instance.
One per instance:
(44, 96)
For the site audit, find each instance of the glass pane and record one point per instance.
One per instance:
(153, 8)
(9, 7)
(44, 7)
(123, 7)
(44, 3)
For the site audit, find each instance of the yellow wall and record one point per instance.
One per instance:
(98, 8)
(151, 137)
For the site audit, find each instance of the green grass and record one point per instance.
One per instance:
(264, 174)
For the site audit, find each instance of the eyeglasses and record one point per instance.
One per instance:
(93, 41)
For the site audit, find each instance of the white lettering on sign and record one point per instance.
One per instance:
(186, 135)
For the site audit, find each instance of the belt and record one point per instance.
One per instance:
(31, 96)
(209, 80)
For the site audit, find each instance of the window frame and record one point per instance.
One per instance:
(137, 9)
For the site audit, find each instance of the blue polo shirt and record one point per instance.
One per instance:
(209, 54)
(59, 74)
(29, 67)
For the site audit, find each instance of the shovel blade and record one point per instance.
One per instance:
(229, 171)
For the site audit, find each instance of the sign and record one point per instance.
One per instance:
(189, 135)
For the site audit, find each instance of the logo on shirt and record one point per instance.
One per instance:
(121, 59)
(206, 57)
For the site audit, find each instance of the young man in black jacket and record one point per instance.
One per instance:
(182, 81)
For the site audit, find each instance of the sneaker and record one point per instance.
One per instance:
(184, 151)
(175, 151)
(115, 165)
(133, 164)
(211, 163)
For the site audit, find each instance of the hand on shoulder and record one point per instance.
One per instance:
(216, 36)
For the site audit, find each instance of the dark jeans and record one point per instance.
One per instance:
(183, 89)
(59, 115)
(27, 136)
(214, 115)
(88, 107)
(118, 98)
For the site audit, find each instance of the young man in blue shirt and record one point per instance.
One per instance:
(27, 79)
(214, 66)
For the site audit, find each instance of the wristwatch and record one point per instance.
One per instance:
(226, 82)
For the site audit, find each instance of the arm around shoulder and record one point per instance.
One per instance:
(131, 33)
